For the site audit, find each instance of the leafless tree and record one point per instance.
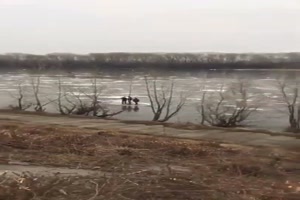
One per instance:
(290, 95)
(201, 108)
(162, 100)
(87, 101)
(39, 105)
(19, 96)
(93, 95)
(35, 84)
(229, 106)
(64, 105)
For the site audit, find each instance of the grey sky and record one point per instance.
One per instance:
(83, 26)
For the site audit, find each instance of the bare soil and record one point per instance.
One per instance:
(141, 167)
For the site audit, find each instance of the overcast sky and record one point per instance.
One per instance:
(83, 26)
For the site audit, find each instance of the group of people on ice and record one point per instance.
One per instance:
(128, 100)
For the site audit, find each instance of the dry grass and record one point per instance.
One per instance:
(143, 167)
(183, 126)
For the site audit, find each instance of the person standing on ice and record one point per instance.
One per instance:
(129, 100)
(124, 100)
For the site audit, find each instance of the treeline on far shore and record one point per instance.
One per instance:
(176, 61)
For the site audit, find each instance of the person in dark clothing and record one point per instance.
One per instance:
(129, 100)
(136, 101)
(124, 100)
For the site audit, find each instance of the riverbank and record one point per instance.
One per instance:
(243, 136)
(57, 157)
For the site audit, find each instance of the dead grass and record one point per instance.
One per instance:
(143, 167)
(183, 126)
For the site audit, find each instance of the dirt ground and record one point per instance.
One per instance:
(141, 167)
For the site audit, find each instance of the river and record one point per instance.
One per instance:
(271, 113)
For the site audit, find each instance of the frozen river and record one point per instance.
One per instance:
(270, 115)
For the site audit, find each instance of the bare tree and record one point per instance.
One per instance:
(19, 96)
(201, 108)
(35, 84)
(93, 95)
(88, 101)
(64, 105)
(290, 94)
(228, 107)
(162, 100)
(39, 105)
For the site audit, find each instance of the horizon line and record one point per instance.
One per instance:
(152, 52)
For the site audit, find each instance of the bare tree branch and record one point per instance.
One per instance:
(38, 105)
(292, 102)
(21, 105)
(163, 101)
(228, 108)
(87, 102)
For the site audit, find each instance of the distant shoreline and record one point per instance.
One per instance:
(152, 61)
